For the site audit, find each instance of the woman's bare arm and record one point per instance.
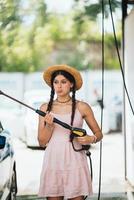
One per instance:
(45, 127)
(88, 116)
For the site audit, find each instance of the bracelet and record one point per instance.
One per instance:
(95, 139)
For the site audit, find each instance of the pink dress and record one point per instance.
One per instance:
(65, 172)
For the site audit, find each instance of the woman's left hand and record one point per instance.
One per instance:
(85, 140)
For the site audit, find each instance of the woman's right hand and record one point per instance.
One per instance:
(48, 119)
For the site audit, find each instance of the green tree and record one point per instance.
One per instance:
(18, 33)
(41, 13)
(9, 16)
(94, 9)
(87, 11)
(31, 38)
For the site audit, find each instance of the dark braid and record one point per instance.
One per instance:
(73, 104)
(73, 112)
(49, 106)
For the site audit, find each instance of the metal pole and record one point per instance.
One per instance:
(124, 14)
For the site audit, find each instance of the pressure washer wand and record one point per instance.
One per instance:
(76, 132)
(17, 101)
(67, 126)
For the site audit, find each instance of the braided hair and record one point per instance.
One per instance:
(73, 104)
(50, 103)
(73, 89)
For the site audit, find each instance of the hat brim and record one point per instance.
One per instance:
(74, 72)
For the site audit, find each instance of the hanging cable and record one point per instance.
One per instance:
(102, 98)
(123, 77)
(124, 13)
(117, 49)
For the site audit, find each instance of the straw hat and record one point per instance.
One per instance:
(74, 72)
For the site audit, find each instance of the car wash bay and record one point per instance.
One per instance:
(121, 178)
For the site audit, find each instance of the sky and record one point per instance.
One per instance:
(60, 6)
(57, 6)
(64, 6)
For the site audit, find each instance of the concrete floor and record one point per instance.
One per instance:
(113, 184)
(103, 197)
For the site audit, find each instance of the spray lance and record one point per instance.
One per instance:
(75, 132)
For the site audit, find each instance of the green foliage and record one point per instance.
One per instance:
(9, 17)
(31, 38)
(74, 58)
(110, 41)
(94, 9)
(41, 15)
(112, 63)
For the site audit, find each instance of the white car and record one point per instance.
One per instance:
(12, 118)
(34, 99)
(8, 176)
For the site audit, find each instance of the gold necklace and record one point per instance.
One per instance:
(63, 101)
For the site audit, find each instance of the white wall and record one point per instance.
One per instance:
(129, 76)
(15, 84)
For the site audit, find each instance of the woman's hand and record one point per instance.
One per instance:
(45, 126)
(89, 118)
(85, 140)
(48, 120)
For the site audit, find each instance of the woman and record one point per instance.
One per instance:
(65, 172)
